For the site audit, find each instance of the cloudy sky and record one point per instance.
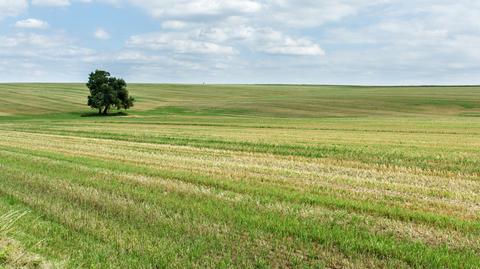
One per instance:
(242, 41)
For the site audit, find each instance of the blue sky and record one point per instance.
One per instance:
(375, 42)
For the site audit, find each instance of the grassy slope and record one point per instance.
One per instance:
(242, 176)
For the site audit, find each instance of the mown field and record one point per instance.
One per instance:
(251, 176)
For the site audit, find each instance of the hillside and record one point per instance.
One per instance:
(243, 176)
(261, 100)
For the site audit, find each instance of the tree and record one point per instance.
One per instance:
(107, 92)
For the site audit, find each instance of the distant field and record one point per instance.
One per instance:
(245, 176)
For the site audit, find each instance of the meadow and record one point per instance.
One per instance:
(245, 176)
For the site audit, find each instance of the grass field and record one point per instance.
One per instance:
(245, 176)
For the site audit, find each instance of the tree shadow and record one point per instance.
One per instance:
(93, 114)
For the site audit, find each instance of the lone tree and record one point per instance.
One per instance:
(108, 92)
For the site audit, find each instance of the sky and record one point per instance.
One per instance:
(374, 42)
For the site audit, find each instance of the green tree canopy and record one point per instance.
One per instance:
(107, 92)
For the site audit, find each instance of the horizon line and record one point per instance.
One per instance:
(267, 84)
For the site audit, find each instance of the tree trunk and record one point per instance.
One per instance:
(99, 110)
(105, 111)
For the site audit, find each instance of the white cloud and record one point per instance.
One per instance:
(277, 43)
(12, 7)
(31, 24)
(311, 12)
(57, 3)
(227, 40)
(44, 57)
(299, 13)
(197, 8)
(178, 43)
(227, 32)
(374, 40)
(101, 34)
(392, 40)
(174, 24)
(432, 32)
(264, 40)
(39, 44)
(134, 56)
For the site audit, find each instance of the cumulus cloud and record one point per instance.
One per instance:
(174, 24)
(101, 34)
(277, 43)
(40, 45)
(197, 8)
(308, 13)
(12, 7)
(58, 3)
(361, 40)
(178, 43)
(31, 24)
(300, 13)
(227, 40)
(44, 57)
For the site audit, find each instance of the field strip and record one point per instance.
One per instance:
(302, 170)
(285, 174)
(464, 167)
(290, 226)
(275, 127)
(413, 232)
(313, 199)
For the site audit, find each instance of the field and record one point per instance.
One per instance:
(247, 176)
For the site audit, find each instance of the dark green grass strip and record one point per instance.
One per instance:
(281, 127)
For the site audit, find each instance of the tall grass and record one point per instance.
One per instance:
(8, 220)
(12, 253)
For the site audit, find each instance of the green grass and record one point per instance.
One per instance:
(12, 254)
(242, 176)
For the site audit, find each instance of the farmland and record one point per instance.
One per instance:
(242, 176)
